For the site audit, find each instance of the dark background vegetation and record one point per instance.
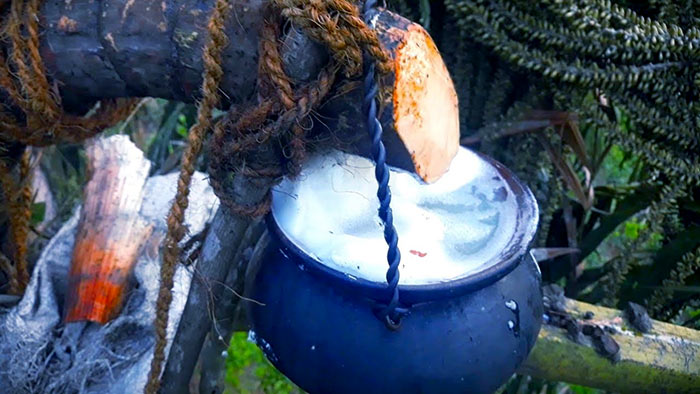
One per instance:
(593, 105)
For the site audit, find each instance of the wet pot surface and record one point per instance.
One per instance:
(315, 320)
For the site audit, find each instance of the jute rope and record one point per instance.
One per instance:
(280, 117)
(283, 113)
(37, 119)
(18, 197)
(216, 42)
(23, 78)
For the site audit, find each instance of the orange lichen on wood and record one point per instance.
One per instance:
(111, 232)
(426, 113)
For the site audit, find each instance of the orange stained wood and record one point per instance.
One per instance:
(99, 275)
(110, 233)
(426, 113)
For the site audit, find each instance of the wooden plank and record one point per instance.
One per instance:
(666, 360)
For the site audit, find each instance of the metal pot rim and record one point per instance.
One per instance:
(526, 227)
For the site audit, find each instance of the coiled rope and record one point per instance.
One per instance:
(35, 118)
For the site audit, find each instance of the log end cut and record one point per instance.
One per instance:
(418, 101)
(425, 109)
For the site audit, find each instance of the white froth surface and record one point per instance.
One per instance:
(447, 230)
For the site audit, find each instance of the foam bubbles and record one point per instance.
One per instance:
(447, 230)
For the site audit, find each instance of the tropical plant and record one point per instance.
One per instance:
(595, 105)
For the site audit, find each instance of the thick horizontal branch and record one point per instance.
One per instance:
(665, 360)
(124, 48)
(98, 49)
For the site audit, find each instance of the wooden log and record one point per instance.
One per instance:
(125, 48)
(665, 360)
(421, 108)
(217, 257)
(218, 254)
(110, 233)
(213, 365)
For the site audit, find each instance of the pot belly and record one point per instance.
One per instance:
(326, 339)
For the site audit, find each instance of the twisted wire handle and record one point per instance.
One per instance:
(391, 313)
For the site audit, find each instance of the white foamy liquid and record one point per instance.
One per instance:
(447, 230)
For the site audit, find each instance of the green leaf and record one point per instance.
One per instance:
(626, 208)
(181, 128)
(38, 213)
(641, 281)
(245, 357)
(582, 390)
(632, 228)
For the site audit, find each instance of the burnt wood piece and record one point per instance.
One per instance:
(110, 233)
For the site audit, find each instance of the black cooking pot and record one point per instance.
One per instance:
(468, 280)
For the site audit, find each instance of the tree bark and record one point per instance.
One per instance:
(665, 360)
(97, 49)
(123, 48)
(212, 361)
(207, 292)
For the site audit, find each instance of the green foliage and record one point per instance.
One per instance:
(181, 128)
(521, 384)
(65, 169)
(643, 65)
(160, 128)
(582, 390)
(38, 213)
(248, 371)
(689, 316)
(630, 71)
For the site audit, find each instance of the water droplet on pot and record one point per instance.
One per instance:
(263, 345)
(252, 337)
(224, 354)
(283, 254)
(514, 325)
(267, 350)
